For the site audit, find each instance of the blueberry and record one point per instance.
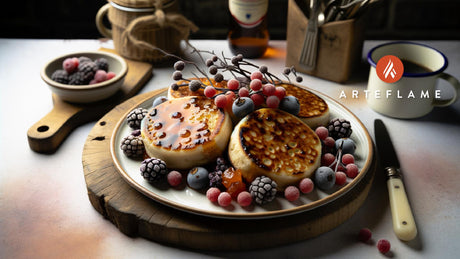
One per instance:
(197, 178)
(159, 100)
(349, 145)
(324, 178)
(290, 104)
(242, 107)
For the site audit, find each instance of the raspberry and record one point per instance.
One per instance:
(174, 178)
(110, 75)
(213, 194)
(244, 199)
(364, 235)
(322, 132)
(384, 246)
(69, 65)
(340, 178)
(291, 193)
(102, 64)
(280, 92)
(60, 76)
(100, 76)
(306, 185)
(224, 199)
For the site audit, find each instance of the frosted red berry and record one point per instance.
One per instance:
(257, 75)
(244, 199)
(224, 199)
(327, 159)
(233, 84)
(273, 101)
(220, 101)
(348, 159)
(268, 90)
(255, 85)
(340, 178)
(329, 142)
(174, 178)
(352, 170)
(69, 65)
(210, 91)
(258, 99)
(110, 75)
(213, 194)
(291, 193)
(364, 235)
(100, 76)
(384, 246)
(280, 92)
(243, 92)
(322, 132)
(306, 185)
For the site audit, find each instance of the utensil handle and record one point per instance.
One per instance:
(403, 220)
(455, 84)
(106, 32)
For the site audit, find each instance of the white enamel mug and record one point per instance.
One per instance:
(415, 94)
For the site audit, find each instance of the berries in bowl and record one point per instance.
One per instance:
(85, 77)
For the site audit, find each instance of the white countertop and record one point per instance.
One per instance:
(45, 211)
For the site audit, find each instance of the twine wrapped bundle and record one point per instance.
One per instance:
(140, 27)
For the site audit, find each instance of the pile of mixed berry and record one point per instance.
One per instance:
(83, 71)
(222, 183)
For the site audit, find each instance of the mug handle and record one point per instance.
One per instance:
(455, 84)
(99, 24)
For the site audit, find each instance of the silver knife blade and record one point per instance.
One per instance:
(387, 152)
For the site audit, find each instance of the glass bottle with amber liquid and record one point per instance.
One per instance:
(248, 34)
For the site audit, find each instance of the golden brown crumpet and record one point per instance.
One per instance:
(276, 144)
(186, 132)
(314, 111)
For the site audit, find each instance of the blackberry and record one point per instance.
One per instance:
(215, 179)
(132, 146)
(153, 169)
(78, 78)
(135, 117)
(339, 128)
(102, 64)
(88, 67)
(60, 76)
(83, 59)
(263, 190)
(221, 164)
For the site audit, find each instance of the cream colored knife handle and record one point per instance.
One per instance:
(403, 220)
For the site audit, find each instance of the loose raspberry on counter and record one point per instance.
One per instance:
(384, 246)
(364, 235)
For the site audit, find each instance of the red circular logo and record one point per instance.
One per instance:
(389, 69)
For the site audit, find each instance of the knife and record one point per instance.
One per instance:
(403, 220)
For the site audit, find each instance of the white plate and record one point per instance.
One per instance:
(193, 201)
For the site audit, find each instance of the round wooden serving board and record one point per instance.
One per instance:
(137, 215)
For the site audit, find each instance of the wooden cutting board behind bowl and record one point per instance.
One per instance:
(47, 134)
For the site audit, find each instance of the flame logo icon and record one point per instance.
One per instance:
(390, 69)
